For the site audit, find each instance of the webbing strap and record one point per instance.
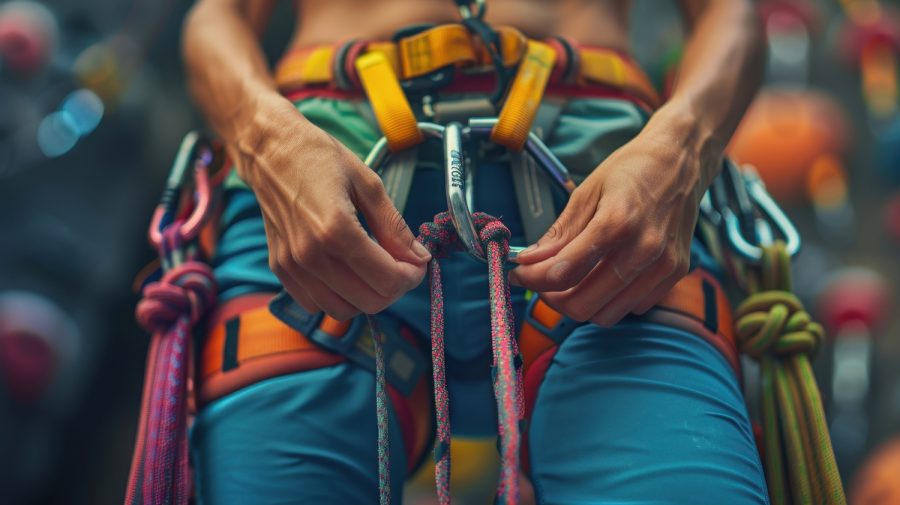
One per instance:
(313, 66)
(606, 67)
(524, 98)
(392, 110)
(435, 48)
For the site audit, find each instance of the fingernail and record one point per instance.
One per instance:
(421, 251)
(513, 277)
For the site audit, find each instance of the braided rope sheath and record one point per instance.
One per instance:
(440, 238)
(773, 328)
(381, 414)
(169, 309)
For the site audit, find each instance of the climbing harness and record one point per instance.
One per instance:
(254, 337)
(169, 309)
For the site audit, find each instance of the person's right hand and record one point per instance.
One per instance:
(310, 188)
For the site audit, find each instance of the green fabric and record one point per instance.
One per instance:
(588, 129)
(340, 118)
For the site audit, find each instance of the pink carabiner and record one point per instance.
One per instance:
(189, 228)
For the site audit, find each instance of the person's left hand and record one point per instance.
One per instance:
(624, 238)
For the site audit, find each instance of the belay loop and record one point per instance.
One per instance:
(773, 328)
(441, 238)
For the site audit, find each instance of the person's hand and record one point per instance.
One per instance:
(310, 188)
(624, 238)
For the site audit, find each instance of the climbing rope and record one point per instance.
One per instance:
(381, 413)
(169, 310)
(775, 330)
(440, 237)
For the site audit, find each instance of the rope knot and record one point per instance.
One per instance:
(774, 323)
(440, 237)
(188, 289)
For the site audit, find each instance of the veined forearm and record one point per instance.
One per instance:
(228, 74)
(720, 73)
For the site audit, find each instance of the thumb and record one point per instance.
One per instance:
(574, 217)
(385, 222)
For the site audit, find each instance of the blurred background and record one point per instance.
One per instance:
(93, 107)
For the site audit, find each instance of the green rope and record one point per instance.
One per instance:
(774, 329)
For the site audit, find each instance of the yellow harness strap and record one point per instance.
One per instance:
(435, 48)
(305, 67)
(602, 66)
(392, 110)
(525, 94)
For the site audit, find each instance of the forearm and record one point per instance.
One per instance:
(720, 73)
(230, 80)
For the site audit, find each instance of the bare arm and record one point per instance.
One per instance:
(310, 188)
(624, 238)
(720, 72)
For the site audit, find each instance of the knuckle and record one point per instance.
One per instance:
(396, 222)
(330, 234)
(371, 183)
(300, 254)
(556, 230)
(621, 223)
(651, 247)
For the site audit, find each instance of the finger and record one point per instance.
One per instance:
(629, 298)
(383, 274)
(658, 293)
(329, 301)
(568, 267)
(299, 295)
(574, 217)
(350, 286)
(345, 240)
(385, 221)
(596, 290)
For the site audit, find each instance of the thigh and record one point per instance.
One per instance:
(308, 437)
(642, 413)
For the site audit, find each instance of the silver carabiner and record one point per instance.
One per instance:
(535, 147)
(452, 136)
(455, 184)
(772, 220)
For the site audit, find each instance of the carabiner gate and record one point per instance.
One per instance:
(757, 218)
(195, 151)
(453, 136)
